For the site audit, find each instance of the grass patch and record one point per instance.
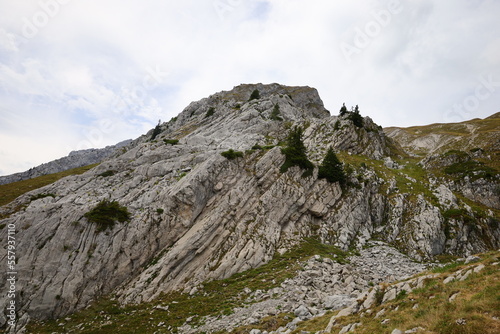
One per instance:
(449, 267)
(473, 169)
(171, 141)
(107, 173)
(265, 147)
(459, 214)
(39, 196)
(232, 154)
(106, 213)
(180, 176)
(9, 192)
(411, 179)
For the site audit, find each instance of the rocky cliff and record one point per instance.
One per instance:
(196, 215)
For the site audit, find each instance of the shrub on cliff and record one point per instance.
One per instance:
(232, 154)
(106, 213)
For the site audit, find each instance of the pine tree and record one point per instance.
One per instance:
(343, 110)
(356, 118)
(210, 112)
(331, 168)
(255, 95)
(296, 152)
(275, 114)
(156, 131)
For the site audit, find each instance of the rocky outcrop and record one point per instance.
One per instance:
(321, 285)
(469, 176)
(384, 293)
(75, 159)
(196, 215)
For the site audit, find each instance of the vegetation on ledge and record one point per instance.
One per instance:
(232, 154)
(106, 213)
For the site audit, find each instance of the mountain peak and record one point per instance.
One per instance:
(180, 211)
(303, 96)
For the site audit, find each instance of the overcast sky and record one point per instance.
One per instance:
(76, 74)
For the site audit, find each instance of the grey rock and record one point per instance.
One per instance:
(449, 279)
(472, 259)
(389, 163)
(302, 312)
(380, 313)
(346, 329)
(466, 275)
(345, 312)
(479, 268)
(453, 297)
(337, 302)
(390, 294)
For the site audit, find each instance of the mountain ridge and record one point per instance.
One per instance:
(74, 159)
(440, 137)
(197, 216)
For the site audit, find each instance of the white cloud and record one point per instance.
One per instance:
(128, 63)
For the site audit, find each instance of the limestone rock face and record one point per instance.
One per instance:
(196, 215)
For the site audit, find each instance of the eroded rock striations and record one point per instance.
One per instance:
(196, 215)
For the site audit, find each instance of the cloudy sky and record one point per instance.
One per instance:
(76, 74)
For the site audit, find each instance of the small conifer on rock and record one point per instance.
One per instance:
(331, 168)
